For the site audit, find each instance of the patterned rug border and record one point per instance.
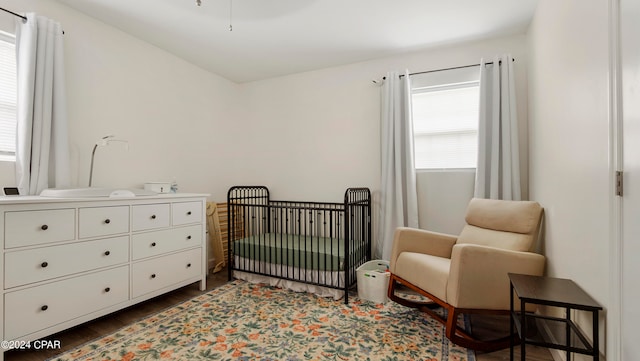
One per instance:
(174, 312)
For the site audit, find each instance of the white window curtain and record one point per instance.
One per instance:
(42, 144)
(498, 172)
(398, 199)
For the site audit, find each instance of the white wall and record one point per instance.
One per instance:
(569, 140)
(176, 116)
(443, 199)
(7, 175)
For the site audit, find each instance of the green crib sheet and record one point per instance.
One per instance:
(314, 253)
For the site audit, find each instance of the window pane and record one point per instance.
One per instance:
(8, 90)
(445, 122)
(440, 151)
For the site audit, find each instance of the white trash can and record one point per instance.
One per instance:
(373, 281)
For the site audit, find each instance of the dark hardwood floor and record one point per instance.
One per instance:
(86, 332)
(493, 326)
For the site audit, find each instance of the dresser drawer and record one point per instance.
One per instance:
(186, 213)
(103, 221)
(151, 216)
(25, 228)
(154, 274)
(36, 308)
(33, 265)
(150, 244)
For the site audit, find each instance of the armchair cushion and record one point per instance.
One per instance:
(503, 224)
(491, 238)
(428, 272)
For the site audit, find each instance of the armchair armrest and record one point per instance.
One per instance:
(420, 241)
(478, 275)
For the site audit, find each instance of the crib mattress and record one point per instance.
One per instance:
(314, 253)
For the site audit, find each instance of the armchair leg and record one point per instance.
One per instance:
(453, 332)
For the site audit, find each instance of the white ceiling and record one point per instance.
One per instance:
(277, 37)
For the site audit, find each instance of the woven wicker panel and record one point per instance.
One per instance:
(218, 230)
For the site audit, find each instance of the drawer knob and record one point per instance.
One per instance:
(153, 244)
(107, 289)
(44, 264)
(188, 237)
(106, 253)
(153, 216)
(44, 308)
(44, 227)
(189, 213)
(107, 221)
(153, 275)
(188, 265)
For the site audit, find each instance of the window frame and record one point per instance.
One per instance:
(443, 82)
(4, 155)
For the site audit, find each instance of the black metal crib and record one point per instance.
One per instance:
(316, 243)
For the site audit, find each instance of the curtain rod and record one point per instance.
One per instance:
(452, 68)
(24, 18)
(445, 69)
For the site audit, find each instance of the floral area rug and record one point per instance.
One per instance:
(243, 321)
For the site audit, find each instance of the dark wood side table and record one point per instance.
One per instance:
(555, 292)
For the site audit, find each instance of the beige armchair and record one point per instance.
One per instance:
(468, 273)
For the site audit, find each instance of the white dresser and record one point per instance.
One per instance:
(67, 261)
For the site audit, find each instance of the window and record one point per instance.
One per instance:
(445, 108)
(8, 97)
